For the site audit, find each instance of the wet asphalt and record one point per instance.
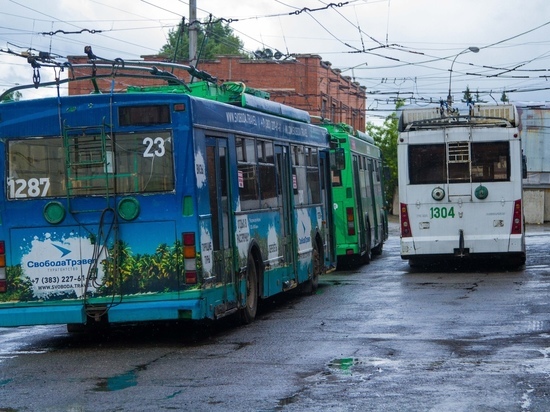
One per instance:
(381, 337)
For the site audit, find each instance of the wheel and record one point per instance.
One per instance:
(310, 287)
(76, 327)
(248, 313)
(378, 249)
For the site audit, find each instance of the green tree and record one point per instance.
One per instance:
(504, 98)
(385, 137)
(213, 39)
(12, 97)
(467, 95)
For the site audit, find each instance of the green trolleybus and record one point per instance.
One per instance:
(359, 207)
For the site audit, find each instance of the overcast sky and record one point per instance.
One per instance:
(395, 48)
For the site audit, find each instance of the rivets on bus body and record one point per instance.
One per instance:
(418, 204)
(438, 193)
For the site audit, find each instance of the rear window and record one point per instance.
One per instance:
(459, 162)
(129, 163)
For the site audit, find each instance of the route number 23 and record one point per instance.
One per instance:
(154, 147)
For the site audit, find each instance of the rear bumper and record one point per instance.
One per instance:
(20, 315)
(468, 246)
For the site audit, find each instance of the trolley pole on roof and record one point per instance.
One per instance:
(193, 32)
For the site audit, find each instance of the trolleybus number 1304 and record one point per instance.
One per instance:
(442, 212)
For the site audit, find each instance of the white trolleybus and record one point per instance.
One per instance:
(460, 184)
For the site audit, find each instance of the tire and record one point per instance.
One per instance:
(248, 312)
(377, 250)
(76, 328)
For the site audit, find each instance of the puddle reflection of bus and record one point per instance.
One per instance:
(460, 184)
(158, 203)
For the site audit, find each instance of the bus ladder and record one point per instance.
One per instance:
(88, 164)
(90, 172)
(459, 153)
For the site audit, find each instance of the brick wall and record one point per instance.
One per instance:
(307, 83)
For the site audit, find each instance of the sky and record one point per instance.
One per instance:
(410, 49)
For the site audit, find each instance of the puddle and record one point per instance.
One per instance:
(343, 364)
(118, 382)
(289, 400)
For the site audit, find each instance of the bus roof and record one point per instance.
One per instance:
(345, 130)
(504, 115)
(233, 93)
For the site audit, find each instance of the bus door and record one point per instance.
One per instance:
(220, 206)
(361, 225)
(284, 203)
(372, 200)
(326, 193)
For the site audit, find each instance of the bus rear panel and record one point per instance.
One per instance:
(460, 185)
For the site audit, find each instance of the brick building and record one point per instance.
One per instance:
(307, 83)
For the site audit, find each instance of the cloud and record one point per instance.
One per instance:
(423, 37)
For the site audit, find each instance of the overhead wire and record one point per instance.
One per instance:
(379, 52)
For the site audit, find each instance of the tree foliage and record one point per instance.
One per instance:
(12, 97)
(385, 137)
(213, 39)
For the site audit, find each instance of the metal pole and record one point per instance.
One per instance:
(473, 49)
(192, 32)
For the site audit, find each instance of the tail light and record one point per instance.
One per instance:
(189, 258)
(517, 220)
(351, 221)
(404, 219)
(3, 284)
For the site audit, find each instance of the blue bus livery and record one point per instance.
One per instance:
(177, 202)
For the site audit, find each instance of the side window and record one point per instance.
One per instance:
(305, 166)
(336, 178)
(247, 173)
(313, 176)
(266, 166)
(299, 175)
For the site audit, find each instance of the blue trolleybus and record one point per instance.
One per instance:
(188, 201)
